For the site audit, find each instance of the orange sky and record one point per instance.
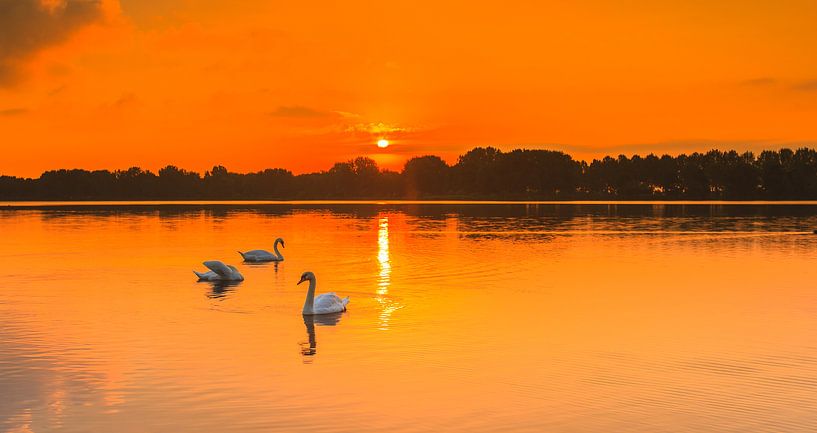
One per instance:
(252, 84)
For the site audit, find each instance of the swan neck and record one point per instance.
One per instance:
(275, 249)
(309, 303)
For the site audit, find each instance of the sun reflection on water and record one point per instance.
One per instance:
(383, 256)
(388, 306)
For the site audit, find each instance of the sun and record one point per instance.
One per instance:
(382, 143)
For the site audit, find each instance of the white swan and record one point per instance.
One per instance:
(264, 255)
(219, 272)
(326, 303)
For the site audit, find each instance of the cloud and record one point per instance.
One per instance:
(348, 115)
(297, 111)
(802, 86)
(126, 100)
(806, 86)
(673, 147)
(56, 90)
(12, 112)
(29, 26)
(376, 128)
(758, 82)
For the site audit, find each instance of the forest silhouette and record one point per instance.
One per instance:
(481, 173)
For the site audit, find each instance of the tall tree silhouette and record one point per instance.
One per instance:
(426, 175)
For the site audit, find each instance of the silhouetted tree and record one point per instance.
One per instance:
(426, 175)
(178, 184)
(475, 171)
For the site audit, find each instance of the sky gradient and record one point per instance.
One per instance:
(252, 84)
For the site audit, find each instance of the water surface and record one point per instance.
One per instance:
(464, 317)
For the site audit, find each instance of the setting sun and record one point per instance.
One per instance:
(382, 143)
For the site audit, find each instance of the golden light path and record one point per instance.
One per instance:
(386, 303)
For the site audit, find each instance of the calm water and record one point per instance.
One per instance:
(464, 318)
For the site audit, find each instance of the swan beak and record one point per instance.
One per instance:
(302, 280)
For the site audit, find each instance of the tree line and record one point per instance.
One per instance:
(481, 173)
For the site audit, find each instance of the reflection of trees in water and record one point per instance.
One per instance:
(430, 220)
(513, 236)
(167, 210)
(543, 219)
(309, 348)
(527, 221)
(426, 212)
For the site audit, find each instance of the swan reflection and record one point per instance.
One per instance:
(273, 265)
(220, 289)
(310, 348)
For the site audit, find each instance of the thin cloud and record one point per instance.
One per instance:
(806, 86)
(126, 100)
(759, 82)
(297, 111)
(376, 128)
(8, 112)
(29, 26)
(802, 86)
(678, 146)
(347, 115)
(57, 90)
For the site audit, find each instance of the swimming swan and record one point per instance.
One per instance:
(219, 272)
(326, 303)
(264, 255)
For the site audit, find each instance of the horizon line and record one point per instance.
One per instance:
(147, 203)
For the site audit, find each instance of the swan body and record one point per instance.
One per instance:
(218, 271)
(326, 303)
(264, 255)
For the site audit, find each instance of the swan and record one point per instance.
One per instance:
(264, 255)
(326, 303)
(219, 272)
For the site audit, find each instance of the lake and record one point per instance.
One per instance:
(464, 317)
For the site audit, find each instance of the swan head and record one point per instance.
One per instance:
(306, 276)
(281, 241)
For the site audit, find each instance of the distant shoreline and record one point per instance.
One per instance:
(193, 203)
(485, 175)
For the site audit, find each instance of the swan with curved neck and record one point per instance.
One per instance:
(218, 271)
(325, 303)
(264, 255)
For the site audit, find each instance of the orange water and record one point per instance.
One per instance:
(526, 317)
